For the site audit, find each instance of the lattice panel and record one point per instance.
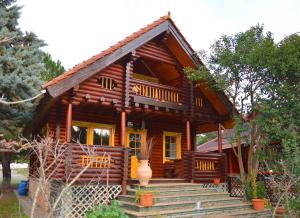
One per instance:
(222, 187)
(235, 187)
(81, 198)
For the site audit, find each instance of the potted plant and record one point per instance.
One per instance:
(258, 194)
(144, 197)
(280, 212)
(217, 181)
(144, 172)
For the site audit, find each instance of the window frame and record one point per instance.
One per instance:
(90, 131)
(178, 145)
(143, 133)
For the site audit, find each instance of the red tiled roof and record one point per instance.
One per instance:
(111, 49)
(227, 141)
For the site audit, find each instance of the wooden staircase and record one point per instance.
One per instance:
(180, 200)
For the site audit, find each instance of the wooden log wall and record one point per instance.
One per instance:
(156, 129)
(204, 167)
(116, 168)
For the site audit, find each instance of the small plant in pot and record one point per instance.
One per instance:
(258, 194)
(144, 197)
(144, 172)
(217, 181)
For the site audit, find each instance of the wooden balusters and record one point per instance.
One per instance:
(157, 93)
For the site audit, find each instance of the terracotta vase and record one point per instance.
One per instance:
(280, 212)
(144, 172)
(146, 199)
(258, 204)
(217, 181)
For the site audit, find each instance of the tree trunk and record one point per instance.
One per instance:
(240, 160)
(6, 171)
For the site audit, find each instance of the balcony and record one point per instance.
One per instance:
(158, 95)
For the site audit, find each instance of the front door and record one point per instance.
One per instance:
(136, 139)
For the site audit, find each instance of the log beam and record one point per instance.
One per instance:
(69, 123)
(188, 135)
(123, 128)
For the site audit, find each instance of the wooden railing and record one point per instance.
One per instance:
(204, 167)
(101, 160)
(156, 91)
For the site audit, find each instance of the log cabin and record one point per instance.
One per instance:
(134, 90)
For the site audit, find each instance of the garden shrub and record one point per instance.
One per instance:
(113, 210)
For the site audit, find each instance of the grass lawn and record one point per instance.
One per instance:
(9, 205)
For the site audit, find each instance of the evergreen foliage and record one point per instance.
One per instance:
(20, 67)
(52, 68)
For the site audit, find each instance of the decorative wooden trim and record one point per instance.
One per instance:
(128, 74)
(178, 145)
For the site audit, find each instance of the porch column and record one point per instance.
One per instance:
(69, 123)
(219, 138)
(123, 128)
(188, 135)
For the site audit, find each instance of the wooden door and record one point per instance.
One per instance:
(135, 140)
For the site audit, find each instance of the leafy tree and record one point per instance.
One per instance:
(20, 68)
(52, 68)
(238, 65)
(281, 112)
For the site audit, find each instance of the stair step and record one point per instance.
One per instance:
(159, 181)
(166, 186)
(170, 189)
(186, 196)
(187, 211)
(181, 205)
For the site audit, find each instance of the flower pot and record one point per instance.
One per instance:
(280, 212)
(217, 181)
(258, 204)
(146, 199)
(144, 172)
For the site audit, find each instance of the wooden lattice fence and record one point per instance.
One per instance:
(79, 199)
(235, 188)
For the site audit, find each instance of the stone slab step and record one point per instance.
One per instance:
(182, 205)
(189, 211)
(176, 190)
(159, 181)
(166, 186)
(203, 197)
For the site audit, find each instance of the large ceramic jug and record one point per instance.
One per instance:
(144, 172)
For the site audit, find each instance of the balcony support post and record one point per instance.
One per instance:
(69, 123)
(188, 135)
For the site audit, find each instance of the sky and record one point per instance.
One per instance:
(76, 30)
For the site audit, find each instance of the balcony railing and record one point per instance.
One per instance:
(156, 91)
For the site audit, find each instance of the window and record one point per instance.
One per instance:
(198, 102)
(93, 133)
(107, 83)
(172, 146)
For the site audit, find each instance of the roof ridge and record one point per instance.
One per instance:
(109, 50)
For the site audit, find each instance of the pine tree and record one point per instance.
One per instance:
(20, 67)
(52, 68)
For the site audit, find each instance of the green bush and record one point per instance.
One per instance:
(113, 210)
(248, 190)
(261, 190)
